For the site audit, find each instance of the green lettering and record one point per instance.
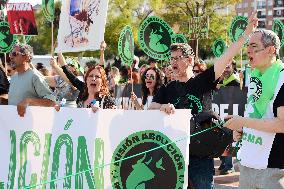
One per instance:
(66, 140)
(258, 141)
(28, 136)
(13, 162)
(251, 138)
(244, 137)
(45, 160)
(99, 161)
(83, 164)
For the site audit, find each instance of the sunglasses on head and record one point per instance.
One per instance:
(14, 53)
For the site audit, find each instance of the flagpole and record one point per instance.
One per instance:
(241, 78)
(5, 62)
(52, 40)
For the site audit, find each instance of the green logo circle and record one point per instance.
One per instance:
(255, 86)
(237, 28)
(161, 168)
(155, 38)
(278, 28)
(7, 40)
(180, 38)
(218, 47)
(189, 102)
(48, 9)
(126, 45)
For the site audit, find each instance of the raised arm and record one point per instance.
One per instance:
(71, 77)
(59, 70)
(235, 48)
(102, 55)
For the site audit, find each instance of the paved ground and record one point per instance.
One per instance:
(230, 181)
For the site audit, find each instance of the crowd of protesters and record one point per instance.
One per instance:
(145, 87)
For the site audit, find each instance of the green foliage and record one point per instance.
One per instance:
(42, 42)
(132, 12)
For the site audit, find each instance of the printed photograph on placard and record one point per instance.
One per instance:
(21, 19)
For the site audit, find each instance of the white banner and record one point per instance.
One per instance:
(81, 25)
(47, 145)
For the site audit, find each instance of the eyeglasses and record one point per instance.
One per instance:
(14, 53)
(150, 76)
(196, 71)
(259, 50)
(95, 76)
(175, 59)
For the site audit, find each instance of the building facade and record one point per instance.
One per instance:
(267, 10)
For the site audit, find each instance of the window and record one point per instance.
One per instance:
(239, 5)
(277, 13)
(245, 14)
(240, 14)
(252, 4)
(279, 2)
(269, 2)
(245, 5)
(270, 13)
(261, 4)
(261, 24)
(269, 22)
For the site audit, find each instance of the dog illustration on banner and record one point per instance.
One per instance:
(82, 14)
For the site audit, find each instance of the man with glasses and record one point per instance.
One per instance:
(28, 86)
(187, 93)
(262, 128)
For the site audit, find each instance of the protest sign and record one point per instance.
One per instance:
(93, 149)
(229, 101)
(180, 38)
(238, 27)
(155, 38)
(21, 19)
(218, 47)
(48, 9)
(278, 28)
(126, 45)
(7, 40)
(198, 27)
(81, 25)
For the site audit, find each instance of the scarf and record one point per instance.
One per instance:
(226, 81)
(265, 88)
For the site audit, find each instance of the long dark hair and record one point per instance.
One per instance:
(104, 88)
(145, 90)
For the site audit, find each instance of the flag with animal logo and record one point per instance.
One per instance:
(48, 9)
(82, 25)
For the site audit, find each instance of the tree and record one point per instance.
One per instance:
(178, 12)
